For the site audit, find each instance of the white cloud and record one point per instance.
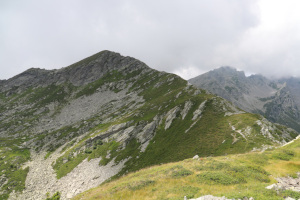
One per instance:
(185, 37)
(271, 48)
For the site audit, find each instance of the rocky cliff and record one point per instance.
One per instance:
(277, 100)
(71, 129)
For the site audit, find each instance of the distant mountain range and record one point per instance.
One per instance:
(278, 100)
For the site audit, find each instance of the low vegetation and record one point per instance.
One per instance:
(12, 175)
(234, 176)
(56, 196)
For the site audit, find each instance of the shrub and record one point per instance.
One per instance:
(283, 155)
(181, 173)
(140, 184)
(88, 151)
(222, 178)
(290, 193)
(56, 196)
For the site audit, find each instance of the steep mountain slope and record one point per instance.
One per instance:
(69, 130)
(277, 100)
(233, 176)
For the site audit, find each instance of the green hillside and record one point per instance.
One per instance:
(233, 176)
(211, 134)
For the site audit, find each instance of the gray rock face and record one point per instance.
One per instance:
(81, 73)
(199, 111)
(171, 115)
(187, 107)
(148, 132)
(278, 100)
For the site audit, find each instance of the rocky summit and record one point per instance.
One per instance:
(276, 99)
(71, 129)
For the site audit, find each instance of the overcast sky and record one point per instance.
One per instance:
(186, 37)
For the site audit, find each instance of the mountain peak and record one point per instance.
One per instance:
(228, 71)
(80, 73)
(226, 68)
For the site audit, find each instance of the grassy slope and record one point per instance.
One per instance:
(233, 176)
(11, 159)
(210, 136)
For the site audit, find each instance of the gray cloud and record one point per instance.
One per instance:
(183, 37)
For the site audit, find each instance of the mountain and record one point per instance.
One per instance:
(71, 129)
(277, 100)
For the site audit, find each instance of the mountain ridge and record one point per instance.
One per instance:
(79, 73)
(112, 114)
(278, 100)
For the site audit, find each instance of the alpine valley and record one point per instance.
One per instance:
(106, 118)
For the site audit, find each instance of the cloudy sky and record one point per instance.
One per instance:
(186, 37)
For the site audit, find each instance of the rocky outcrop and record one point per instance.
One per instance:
(197, 113)
(268, 130)
(171, 115)
(286, 183)
(147, 132)
(187, 107)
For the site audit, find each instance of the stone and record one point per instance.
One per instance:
(271, 187)
(197, 113)
(147, 133)
(187, 107)
(289, 198)
(286, 183)
(171, 115)
(211, 197)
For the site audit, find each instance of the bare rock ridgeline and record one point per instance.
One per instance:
(78, 74)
